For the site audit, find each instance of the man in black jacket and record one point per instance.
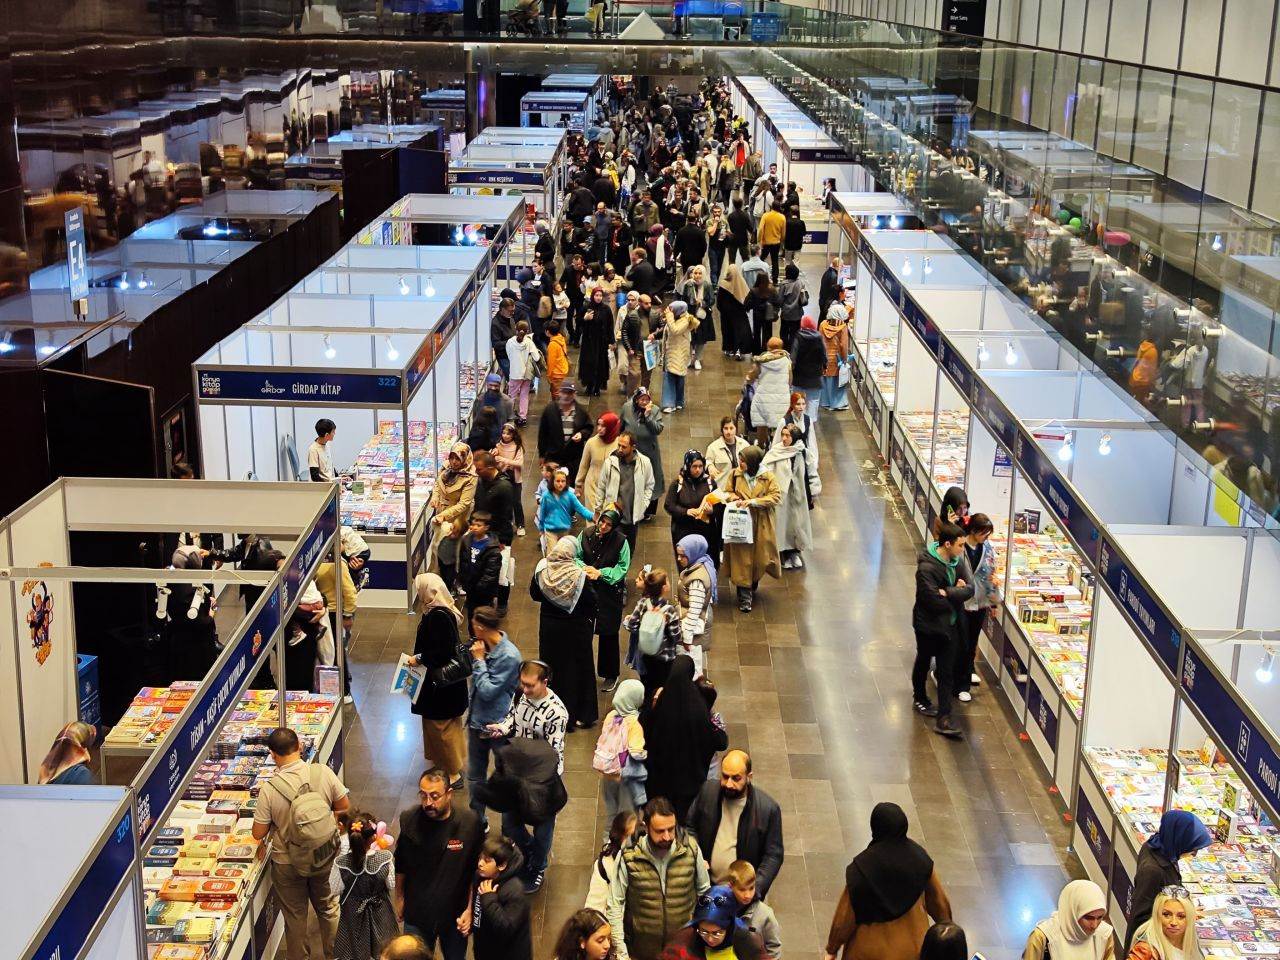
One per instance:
(691, 245)
(641, 276)
(736, 820)
(943, 584)
(435, 862)
(581, 203)
(479, 563)
(563, 429)
(501, 329)
(829, 288)
(740, 230)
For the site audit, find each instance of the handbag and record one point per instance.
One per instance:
(842, 375)
(737, 526)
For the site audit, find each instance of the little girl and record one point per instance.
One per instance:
(620, 750)
(366, 877)
(606, 865)
(555, 512)
(510, 456)
(650, 652)
(559, 304)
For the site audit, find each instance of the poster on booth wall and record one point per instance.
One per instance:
(1003, 466)
(11, 769)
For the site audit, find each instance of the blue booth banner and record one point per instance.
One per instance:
(925, 328)
(1140, 607)
(496, 178)
(309, 554)
(554, 105)
(956, 367)
(837, 155)
(299, 386)
(1258, 760)
(993, 414)
(1069, 511)
(1122, 887)
(1042, 714)
(890, 283)
(205, 717)
(71, 929)
(1095, 836)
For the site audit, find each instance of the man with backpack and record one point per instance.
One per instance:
(300, 805)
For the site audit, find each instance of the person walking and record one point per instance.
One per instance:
(772, 375)
(740, 231)
(495, 668)
(697, 293)
(715, 932)
(442, 702)
(365, 879)
(685, 499)
(654, 630)
(835, 339)
(605, 556)
(586, 935)
(480, 564)
(597, 339)
(796, 480)
(509, 454)
(677, 351)
(1181, 834)
(563, 429)
(735, 328)
(747, 563)
(942, 587)
(763, 303)
(809, 361)
(891, 891)
(498, 923)
(300, 869)
(621, 727)
(522, 358)
(452, 500)
(557, 357)
(722, 453)
(642, 419)
(602, 443)
(696, 596)
(733, 819)
(557, 508)
(772, 230)
(981, 557)
(1077, 930)
(680, 737)
(802, 431)
(717, 230)
(566, 623)
(793, 238)
(794, 297)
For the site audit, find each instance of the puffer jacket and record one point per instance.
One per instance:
(773, 387)
(678, 337)
(835, 337)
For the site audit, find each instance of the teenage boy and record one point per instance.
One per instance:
(754, 914)
(495, 677)
(943, 584)
(319, 458)
(498, 920)
(479, 563)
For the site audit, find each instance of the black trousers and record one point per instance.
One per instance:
(941, 650)
(608, 659)
(971, 622)
(772, 251)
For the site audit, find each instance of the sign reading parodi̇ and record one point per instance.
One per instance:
(299, 386)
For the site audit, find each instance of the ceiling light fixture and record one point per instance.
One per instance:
(1065, 452)
(1217, 242)
(144, 281)
(430, 290)
(404, 288)
(906, 266)
(329, 352)
(6, 343)
(124, 281)
(983, 353)
(1266, 669)
(1104, 445)
(392, 353)
(928, 266)
(1010, 354)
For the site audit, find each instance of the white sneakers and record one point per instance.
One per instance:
(975, 679)
(519, 531)
(697, 364)
(964, 696)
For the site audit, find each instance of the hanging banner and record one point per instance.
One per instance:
(1140, 607)
(298, 386)
(955, 366)
(464, 177)
(1097, 838)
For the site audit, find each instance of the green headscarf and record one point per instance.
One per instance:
(629, 698)
(751, 456)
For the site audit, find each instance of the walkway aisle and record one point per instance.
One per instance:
(814, 683)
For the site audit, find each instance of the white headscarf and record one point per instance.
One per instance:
(559, 577)
(1067, 939)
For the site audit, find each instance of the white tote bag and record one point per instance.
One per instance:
(737, 526)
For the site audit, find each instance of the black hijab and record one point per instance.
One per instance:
(886, 879)
(603, 549)
(679, 730)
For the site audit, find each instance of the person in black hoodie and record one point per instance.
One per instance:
(479, 563)
(943, 584)
(808, 360)
(499, 919)
(793, 239)
(545, 249)
(740, 231)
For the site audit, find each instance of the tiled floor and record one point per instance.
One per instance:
(821, 669)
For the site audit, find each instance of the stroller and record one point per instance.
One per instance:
(522, 19)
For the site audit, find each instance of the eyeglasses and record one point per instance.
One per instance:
(1176, 892)
(716, 934)
(431, 797)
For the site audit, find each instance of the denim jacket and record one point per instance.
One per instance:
(986, 592)
(493, 684)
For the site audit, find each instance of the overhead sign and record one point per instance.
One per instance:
(1070, 511)
(298, 386)
(817, 156)
(965, 16)
(77, 267)
(308, 556)
(1139, 606)
(496, 178)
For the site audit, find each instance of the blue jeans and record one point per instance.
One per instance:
(672, 390)
(535, 844)
(478, 750)
(813, 397)
(453, 945)
(833, 396)
(716, 258)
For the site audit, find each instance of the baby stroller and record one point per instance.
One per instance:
(522, 19)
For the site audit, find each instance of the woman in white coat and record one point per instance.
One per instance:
(772, 376)
(799, 483)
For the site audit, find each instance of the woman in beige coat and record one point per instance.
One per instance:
(452, 500)
(677, 346)
(746, 563)
(594, 453)
(891, 891)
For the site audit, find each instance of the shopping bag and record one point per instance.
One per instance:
(694, 652)
(652, 354)
(507, 573)
(325, 652)
(842, 375)
(737, 524)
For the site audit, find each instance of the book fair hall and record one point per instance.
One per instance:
(695, 480)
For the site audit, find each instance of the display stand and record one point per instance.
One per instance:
(534, 169)
(556, 109)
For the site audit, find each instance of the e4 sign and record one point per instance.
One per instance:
(77, 270)
(964, 16)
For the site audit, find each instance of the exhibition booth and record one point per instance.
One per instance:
(557, 109)
(593, 84)
(445, 107)
(496, 161)
(187, 756)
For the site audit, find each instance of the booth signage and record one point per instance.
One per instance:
(864, 248)
(819, 156)
(1095, 836)
(1140, 607)
(92, 895)
(993, 414)
(569, 103)
(1042, 715)
(77, 269)
(205, 717)
(338, 756)
(1122, 887)
(886, 279)
(308, 556)
(920, 323)
(1257, 759)
(496, 178)
(299, 386)
(955, 367)
(1056, 494)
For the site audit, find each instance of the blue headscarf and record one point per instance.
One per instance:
(695, 548)
(717, 906)
(1180, 832)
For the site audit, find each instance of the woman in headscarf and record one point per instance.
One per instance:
(443, 700)
(696, 292)
(891, 891)
(605, 556)
(796, 479)
(735, 329)
(1181, 834)
(677, 347)
(453, 498)
(715, 931)
(1170, 934)
(803, 427)
(835, 340)
(685, 498)
(680, 738)
(746, 563)
(565, 626)
(67, 761)
(594, 453)
(643, 420)
(696, 592)
(1078, 929)
(597, 337)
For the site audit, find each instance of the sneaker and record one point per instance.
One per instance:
(786, 563)
(975, 679)
(610, 685)
(744, 607)
(946, 728)
(348, 699)
(797, 562)
(519, 531)
(697, 364)
(534, 883)
(925, 708)
(680, 406)
(964, 696)
(502, 611)
(668, 409)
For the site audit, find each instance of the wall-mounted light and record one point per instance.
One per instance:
(144, 281)
(895, 222)
(48, 347)
(1010, 354)
(1104, 445)
(6, 342)
(430, 289)
(906, 266)
(329, 352)
(124, 284)
(983, 353)
(1066, 451)
(928, 265)
(1217, 242)
(404, 288)
(1266, 669)
(392, 353)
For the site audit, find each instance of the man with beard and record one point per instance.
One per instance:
(656, 885)
(736, 820)
(435, 859)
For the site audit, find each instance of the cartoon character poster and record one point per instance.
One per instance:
(40, 617)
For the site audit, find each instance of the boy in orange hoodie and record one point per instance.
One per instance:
(557, 357)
